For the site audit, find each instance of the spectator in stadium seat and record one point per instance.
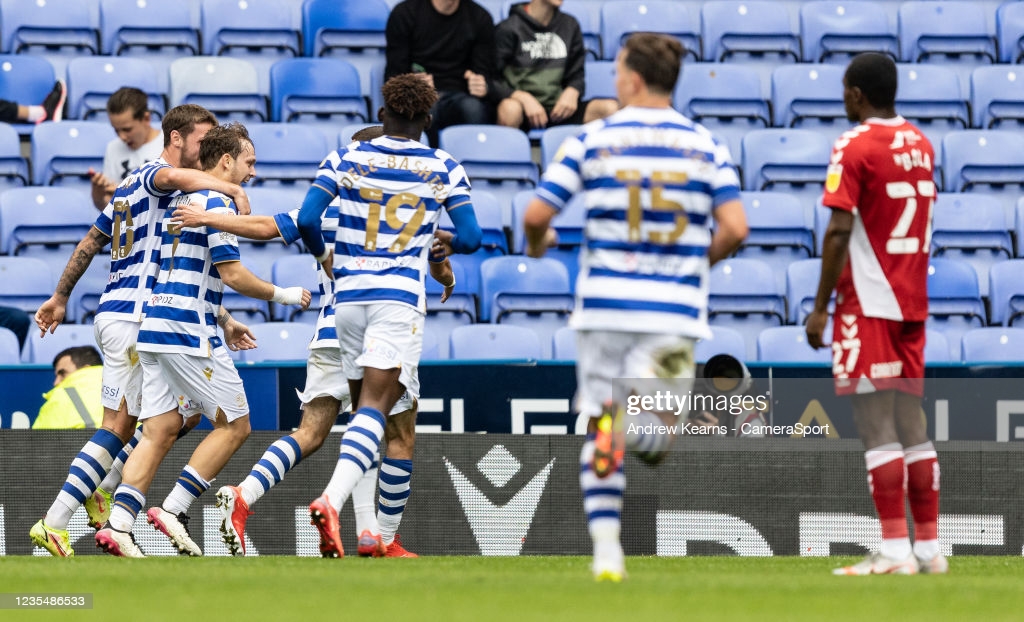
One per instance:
(52, 108)
(450, 45)
(17, 321)
(137, 142)
(74, 402)
(540, 64)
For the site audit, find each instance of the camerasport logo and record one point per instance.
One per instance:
(499, 529)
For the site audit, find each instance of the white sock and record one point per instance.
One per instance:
(113, 478)
(128, 502)
(358, 447)
(395, 476)
(35, 113)
(362, 501)
(186, 490)
(280, 457)
(896, 548)
(87, 470)
(926, 550)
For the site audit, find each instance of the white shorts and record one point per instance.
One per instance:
(324, 378)
(192, 385)
(382, 336)
(122, 374)
(603, 357)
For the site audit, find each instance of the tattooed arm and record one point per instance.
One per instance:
(51, 313)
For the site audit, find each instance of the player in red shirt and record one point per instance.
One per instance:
(881, 190)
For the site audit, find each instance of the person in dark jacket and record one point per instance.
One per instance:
(540, 64)
(450, 43)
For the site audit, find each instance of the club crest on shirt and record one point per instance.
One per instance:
(833, 177)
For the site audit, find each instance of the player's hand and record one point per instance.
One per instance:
(566, 105)
(99, 180)
(242, 203)
(532, 109)
(815, 328)
(476, 84)
(442, 246)
(447, 293)
(189, 216)
(50, 314)
(237, 336)
(328, 265)
(306, 299)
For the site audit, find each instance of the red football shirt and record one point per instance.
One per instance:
(882, 171)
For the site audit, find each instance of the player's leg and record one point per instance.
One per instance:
(396, 476)
(122, 377)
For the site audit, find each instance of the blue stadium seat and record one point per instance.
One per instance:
(317, 91)
(85, 299)
(810, 97)
(279, 341)
(343, 24)
(227, 87)
(738, 299)
(552, 139)
(988, 161)
(269, 200)
(36, 217)
(931, 97)
(1006, 292)
(493, 341)
(726, 98)
(936, 348)
(25, 78)
(13, 167)
(835, 31)
(458, 310)
(158, 31)
(568, 224)
(42, 350)
(1010, 31)
(63, 153)
(599, 76)
(295, 270)
(245, 309)
(790, 160)
(992, 345)
(622, 18)
(997, 97)
(590, 24)
(736, 30)
(802, 287)
(723, 341)
(497, 159)
(788, 344)
(949, 31)
(287, 154)
(781, 231)
(971, 228)
(954, 300)
(25, 282)
(10, 352)
(236, 27)
(526, 292)
(93, 79)
(488, 216)
(58, 29)
(563, 346)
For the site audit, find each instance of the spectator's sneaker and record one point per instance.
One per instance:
(54, 102)
(876, 563)
(56, 541)
(118, 543)
(235, 511)
(935, 565)
(395, 549)
(325, 518)
(175, 528)
(97, 507)
(370, 545)
(608, 446)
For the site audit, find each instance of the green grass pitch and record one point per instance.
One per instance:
(492, 589)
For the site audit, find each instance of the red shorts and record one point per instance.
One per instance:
(871, 354)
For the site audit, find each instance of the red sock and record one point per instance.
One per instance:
(923, 490)
(886, 481)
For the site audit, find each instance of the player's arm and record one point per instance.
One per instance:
(51, 313)
(834, 253)
(441, 271)
(310, 220)
(237, 335)
(191, 180)
(732, 229)
(239, 278)
(537, 224)
(252, 227)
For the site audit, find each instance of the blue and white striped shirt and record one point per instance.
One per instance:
(182, 314)
(389, 194)
(132, 221)
(651, 180)
(326, 335)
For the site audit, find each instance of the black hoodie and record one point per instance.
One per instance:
(541, 60)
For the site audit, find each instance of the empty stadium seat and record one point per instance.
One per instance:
(1006, 292)
(993, 345)
(563, 346)
(158, 31)
(739, 299)
(931, 97)
(590, 24)
(801, 289)
(236, 27)
(809, 97)
(835, 31)
(494, 341)
(279, 341)
(63, 153)
(227, 87)
(296, 270)
(723, 341)
(788, 344)
(971, 228)
(316, 90)
(781, 231)
(790, 160)
(526, 292)
(937, 348)
(13, 167)
(1010, 30)
(93, 79)
(85, 298)
(622, 18)
(269, 200)
(599, 76)
(568, 224)
(42, 350)
(551, 140)
(988, 161)
(948, 32)
(25, 282)
(458, 310)
(287, 153)
(343, 24)
(10, 351)
(726, 98)
(997, 97)
(954, 300)
(488, 216)
(737, 30)
(36, 217)
(58, 29)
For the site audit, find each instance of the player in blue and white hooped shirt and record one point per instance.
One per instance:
(652, 180)
(186, 369)
(325, 395)
(390, 192)
(131, 224)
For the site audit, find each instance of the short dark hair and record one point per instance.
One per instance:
(407, 96)
(81, 356)
(876, 77)
(184, 119)
(656, 58)
(128, 98)
(369, 133)
(227, 138)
